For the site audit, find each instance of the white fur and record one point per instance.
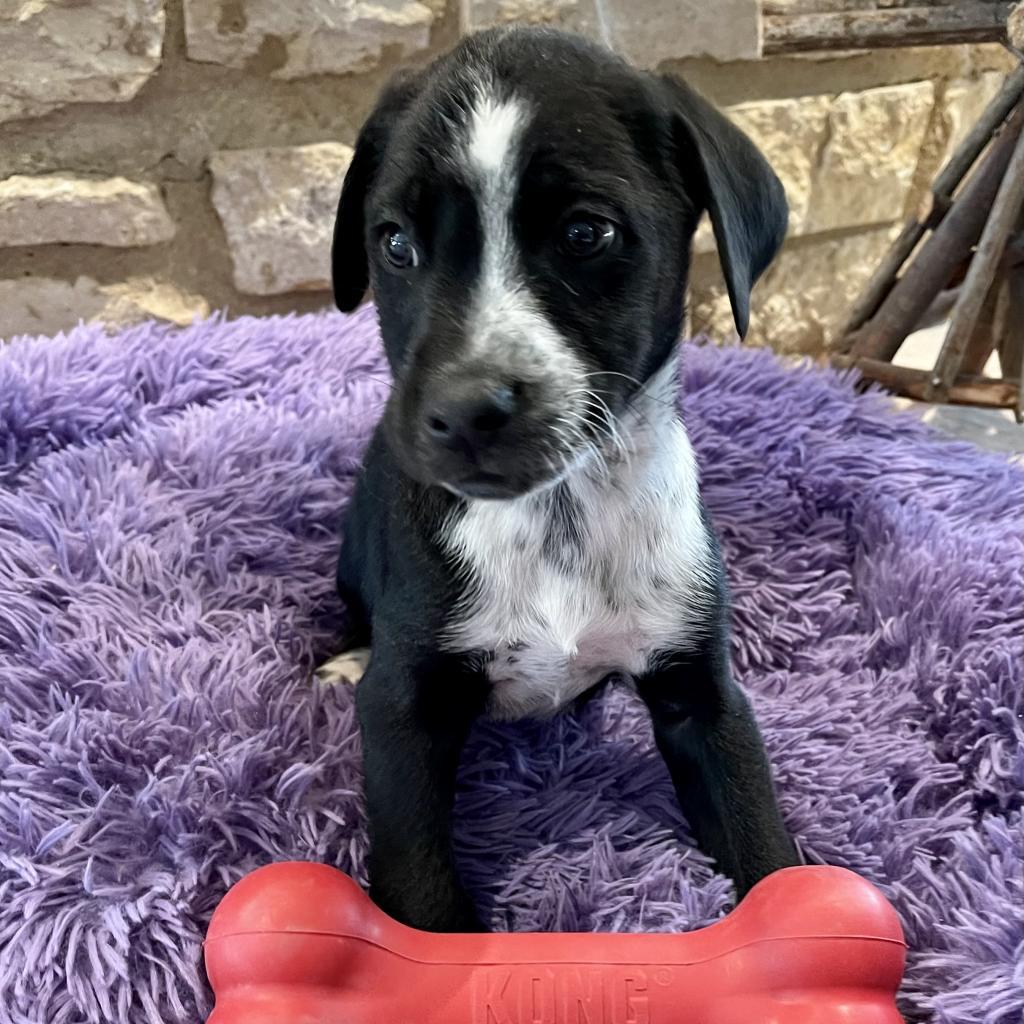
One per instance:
(507, 329)
(347, 667)
(494, 127)
(639, 587)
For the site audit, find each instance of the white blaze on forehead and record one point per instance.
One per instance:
(506, 321)
(494, 130)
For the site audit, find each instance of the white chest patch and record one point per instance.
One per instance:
(593, 577)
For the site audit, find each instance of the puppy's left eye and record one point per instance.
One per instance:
(399, 249)
(586, 237)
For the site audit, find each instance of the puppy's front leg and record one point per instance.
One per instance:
(705, 730)
(414, 714)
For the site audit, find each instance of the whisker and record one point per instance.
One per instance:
(615, 373)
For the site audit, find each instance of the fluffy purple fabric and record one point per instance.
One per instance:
(168, 525)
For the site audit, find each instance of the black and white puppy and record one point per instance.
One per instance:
(528, 522)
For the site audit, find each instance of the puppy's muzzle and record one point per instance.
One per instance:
(486, 437)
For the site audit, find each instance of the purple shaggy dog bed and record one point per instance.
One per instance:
(168, 520)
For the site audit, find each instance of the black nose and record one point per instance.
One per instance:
(474, 418)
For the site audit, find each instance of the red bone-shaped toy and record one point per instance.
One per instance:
(302, 944)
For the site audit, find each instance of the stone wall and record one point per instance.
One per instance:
(170, 157)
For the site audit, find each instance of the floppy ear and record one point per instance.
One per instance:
(725, 173)
(350, 275)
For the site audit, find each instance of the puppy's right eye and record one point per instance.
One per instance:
(584, 237)
(399, 250)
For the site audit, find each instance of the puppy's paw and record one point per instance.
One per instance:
(347, 667)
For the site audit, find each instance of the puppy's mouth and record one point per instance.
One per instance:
(487, 486)
(504, 475)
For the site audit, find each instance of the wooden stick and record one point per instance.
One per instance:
(999, 393)
(982, 341)
(1018, 409)
(1011, 341)
(790, 7)
(1005, 211)
(942, 189)
(939, 309)
(939, 257)
(1010, 321)
(969, 21)
(1009, 331)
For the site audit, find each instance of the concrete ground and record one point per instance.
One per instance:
(995, 429)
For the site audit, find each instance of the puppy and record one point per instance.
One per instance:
(528, 521)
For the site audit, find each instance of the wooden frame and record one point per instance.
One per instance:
(937, 204)
(803, 26)
(967, 240)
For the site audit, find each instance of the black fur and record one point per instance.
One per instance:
(650, 155)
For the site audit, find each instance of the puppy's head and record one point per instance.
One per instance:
(523, 210)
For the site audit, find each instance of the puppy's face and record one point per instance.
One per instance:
(523, 211)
